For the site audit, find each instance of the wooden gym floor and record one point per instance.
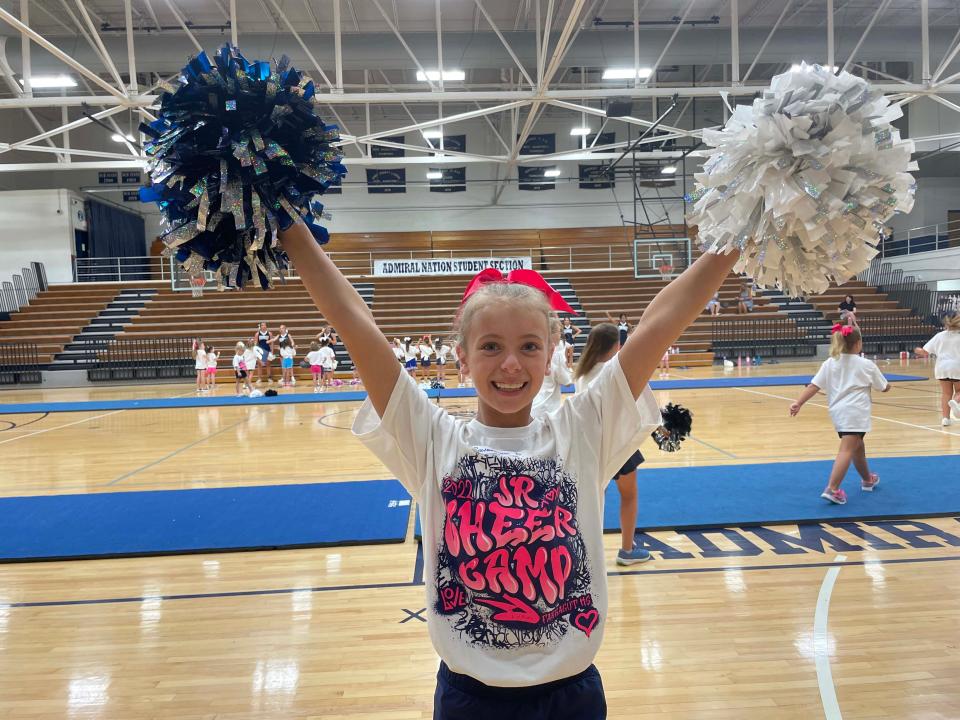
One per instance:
(805, 631)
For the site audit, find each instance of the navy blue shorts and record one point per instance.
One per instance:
(460, 697)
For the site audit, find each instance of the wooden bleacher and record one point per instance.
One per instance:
(53, 317)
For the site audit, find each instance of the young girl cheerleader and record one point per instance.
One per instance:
(240, 371)
(548, 399)
(570, 331)
(212, 358)
(623, 327)
(945, 345)
(200, 365)
(314, 358)
(443, 352)
(425, 351)
(511, 507)
(409, 357)
(328, 363)
(846, 379)
(263, 339)
(287, 353)
(603, 342)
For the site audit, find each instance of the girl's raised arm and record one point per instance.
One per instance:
(669, 314)
(342, 306)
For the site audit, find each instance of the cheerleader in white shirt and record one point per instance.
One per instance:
(548, 399)
(200, 365)
(847, 379)
(409, 356)
(314, 359)
(212, 358)
(425, 351)
(443, 352)
(945, 345)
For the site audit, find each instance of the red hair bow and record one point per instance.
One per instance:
(844, 330)
(530, 278)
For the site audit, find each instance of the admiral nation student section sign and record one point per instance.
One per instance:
(448, 266)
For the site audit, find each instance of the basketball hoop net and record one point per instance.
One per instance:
(666, 271)
(196, 285)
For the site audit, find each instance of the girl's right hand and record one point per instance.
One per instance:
(795, 408)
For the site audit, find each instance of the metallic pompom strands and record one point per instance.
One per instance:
(803, 180)
(238, 152)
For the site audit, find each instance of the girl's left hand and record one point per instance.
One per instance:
(795, 408)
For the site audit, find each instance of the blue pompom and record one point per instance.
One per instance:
(238, 152)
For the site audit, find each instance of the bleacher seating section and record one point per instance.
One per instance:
(413, 305)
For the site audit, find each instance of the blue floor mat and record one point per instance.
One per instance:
(736, 495)
(355, 396)
(184, 521)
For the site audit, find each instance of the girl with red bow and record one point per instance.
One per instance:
(846, 379)
(511, 506)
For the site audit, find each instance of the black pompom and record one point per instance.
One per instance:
(238, 153)
(675, 427)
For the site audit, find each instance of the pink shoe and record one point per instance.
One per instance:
(838, 496)
(869, 486)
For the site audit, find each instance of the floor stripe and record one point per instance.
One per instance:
(875, 417)
(386, 586)
(821, 647)
(59, 427)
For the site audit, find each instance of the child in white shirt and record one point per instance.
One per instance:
(212, 357)
(425, 351)
(316, 369)
(443, 352)
(945, 346)
(200, 365)
(410, 351)
(510, 506)
(846, 379)
(240, 369)
(328, 363)
(287, 353)
(548, 400)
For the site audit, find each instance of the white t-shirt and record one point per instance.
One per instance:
(585, 381)
(252, 355)
(946, 346)
(425, 351)
(398, 351)
(287, 352)
(211, 360)
(328, 359)
(512, 524)
(847, 381)
(409, 353)
(201, 360)
(443, 353)
(314, 357)
(237, 359)
(548, 399)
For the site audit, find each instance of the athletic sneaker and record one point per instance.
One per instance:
(869, 486)
(956, 407)
(838, 497)
(945, 422)
(632, 557)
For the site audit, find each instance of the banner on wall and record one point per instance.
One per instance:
(131, 196)
(449, 266)
(542, 144)
(392, 180)
(109, 177)
(379, 151)
(78, 214)
(454, 180)
(130, 177)
(532, 178)
(456, 143)
(594, 177)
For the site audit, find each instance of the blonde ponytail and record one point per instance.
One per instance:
(844, 340)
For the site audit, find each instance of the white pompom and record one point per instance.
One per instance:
(802, 181)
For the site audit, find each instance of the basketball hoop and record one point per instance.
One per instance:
(196, 286)
(666, 271)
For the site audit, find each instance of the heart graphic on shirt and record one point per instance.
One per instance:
(586, 621)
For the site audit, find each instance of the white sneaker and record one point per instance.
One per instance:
(945, 422)
(955, 408)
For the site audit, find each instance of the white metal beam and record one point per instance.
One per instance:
(337, 47)
(632, 120)
(735, 41)
(300, 42)
(6, 147)
(153, 16)
(504, 42)
(95, 37)
(25, 50)
(403, 42)
(925, 41)
(449, 120)
(653, 71)
(183, 24)
(767, 41)
(131, 54)
(27, 32)
(853, 53)
(234, 30)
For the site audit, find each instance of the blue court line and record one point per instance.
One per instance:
(355, 396)
(387, 586)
